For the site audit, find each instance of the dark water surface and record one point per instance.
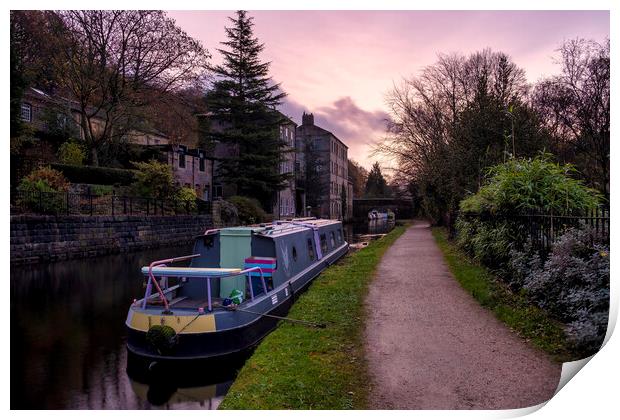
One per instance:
(68, 337)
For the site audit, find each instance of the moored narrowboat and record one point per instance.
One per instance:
(238, 278)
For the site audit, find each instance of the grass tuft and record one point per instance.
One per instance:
(296, 367)
(527, 320)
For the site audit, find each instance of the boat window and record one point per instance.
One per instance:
(332, 239)
(339, 235)
(310, 250)
(324, 244)
(294, 254)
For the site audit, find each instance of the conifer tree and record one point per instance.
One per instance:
(376, 185)
(242, 106)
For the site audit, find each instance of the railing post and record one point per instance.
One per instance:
(130, 206)
(67, 209)
(113, 197)
(124, 205)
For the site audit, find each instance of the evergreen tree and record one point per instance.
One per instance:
(242, 105)
(376, 186)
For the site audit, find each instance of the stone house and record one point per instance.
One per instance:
(285, 205)
(191, 167)
(331, 156)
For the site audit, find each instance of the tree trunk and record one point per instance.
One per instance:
(94, 159)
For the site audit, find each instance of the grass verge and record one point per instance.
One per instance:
(527, 320)
(297, 367)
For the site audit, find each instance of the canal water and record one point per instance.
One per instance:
(68, 337)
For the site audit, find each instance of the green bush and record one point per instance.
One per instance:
(187, 198)
(96, 174)
(249, 210)
(154, 179)
(572, 285)
(39, 191)
(71, 153)
(531, 184)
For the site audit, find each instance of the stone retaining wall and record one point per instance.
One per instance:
(51, 238)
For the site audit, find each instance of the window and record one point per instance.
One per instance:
(181, 160)
(26, 112)
(294, 254)
(332, 239)
(201, 166)
(339, 236)
(310, 250)
(324, 244)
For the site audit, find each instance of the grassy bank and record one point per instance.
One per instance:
(529, 321)
(300, 367)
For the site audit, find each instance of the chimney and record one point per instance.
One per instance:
(307, 119)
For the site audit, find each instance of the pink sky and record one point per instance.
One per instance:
(340, 64)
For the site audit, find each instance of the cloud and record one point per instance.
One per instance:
(358, 128)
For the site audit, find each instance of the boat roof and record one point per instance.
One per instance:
(286, 227)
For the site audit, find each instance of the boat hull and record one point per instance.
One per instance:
(235, 331)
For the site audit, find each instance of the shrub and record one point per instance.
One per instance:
(531, 184)
(52, 178)
(154, 179)
(40, 191)
(187, 198)
(228, 212)
(96, 174)
(572, 284)
(249, 210)
(70, 153)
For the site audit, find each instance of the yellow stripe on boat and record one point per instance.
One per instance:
(140, 321)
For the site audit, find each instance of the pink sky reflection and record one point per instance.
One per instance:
(340, 64)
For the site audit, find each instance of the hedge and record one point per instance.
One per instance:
(96, 174)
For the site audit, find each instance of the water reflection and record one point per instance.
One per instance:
(68, 337)
(355, 232)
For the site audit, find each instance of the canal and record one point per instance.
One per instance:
(68, 337)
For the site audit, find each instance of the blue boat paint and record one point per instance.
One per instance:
(297, 248)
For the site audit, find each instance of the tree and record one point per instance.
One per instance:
(376, 185)
(575, 108)
(30, 54)
(358, 175)
(115, 63)
(242, 105)
(459, 116)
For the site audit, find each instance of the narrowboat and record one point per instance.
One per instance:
(238, 280)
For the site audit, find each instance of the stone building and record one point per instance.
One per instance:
(326, 156)
(285, 205)
(192, 169)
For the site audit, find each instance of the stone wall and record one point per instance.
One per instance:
(51, 238)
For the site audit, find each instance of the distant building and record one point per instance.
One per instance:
(327, 155)
(285, 205)
(192, 169)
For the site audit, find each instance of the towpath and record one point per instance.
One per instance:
(430, 345)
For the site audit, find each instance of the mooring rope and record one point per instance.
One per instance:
(299, 321)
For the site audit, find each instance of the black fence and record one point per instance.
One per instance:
(65, 203)
(542, 230)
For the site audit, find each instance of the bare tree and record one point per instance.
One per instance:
(449, 122)
(114, 63)
(575, 107)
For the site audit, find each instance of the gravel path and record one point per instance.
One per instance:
(430, 345)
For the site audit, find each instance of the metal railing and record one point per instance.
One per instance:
(66, 203)
(543, 229)
(162, 293)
